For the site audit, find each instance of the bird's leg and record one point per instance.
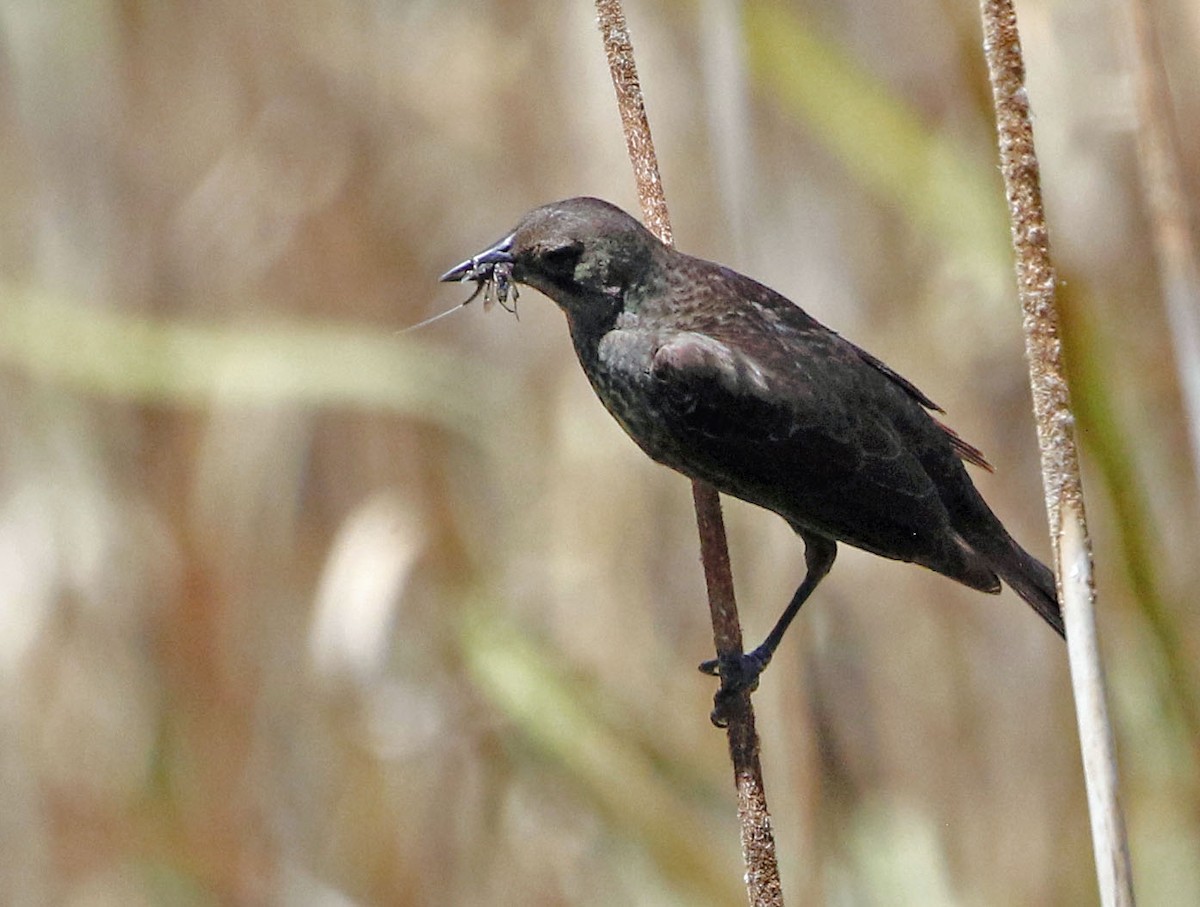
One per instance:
(741, 672)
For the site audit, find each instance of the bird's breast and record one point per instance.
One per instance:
(618, 365)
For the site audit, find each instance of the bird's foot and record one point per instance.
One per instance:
(739, 674)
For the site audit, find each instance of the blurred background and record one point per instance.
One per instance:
(295, 609)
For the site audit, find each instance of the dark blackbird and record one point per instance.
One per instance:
(724, 380)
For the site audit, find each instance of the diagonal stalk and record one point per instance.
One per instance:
(1060, 457)
(763, 886)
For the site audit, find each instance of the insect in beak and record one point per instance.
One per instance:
(491, 270)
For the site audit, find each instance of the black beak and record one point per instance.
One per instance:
(480, 267)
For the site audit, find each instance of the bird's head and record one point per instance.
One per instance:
(584, 253)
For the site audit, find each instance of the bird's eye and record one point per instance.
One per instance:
(561, 260)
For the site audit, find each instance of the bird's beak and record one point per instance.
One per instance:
(480, 267)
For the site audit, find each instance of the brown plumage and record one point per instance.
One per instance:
(724, 380)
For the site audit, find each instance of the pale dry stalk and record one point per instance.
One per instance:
(1056, 434)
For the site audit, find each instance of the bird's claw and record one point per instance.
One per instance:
(739, 675)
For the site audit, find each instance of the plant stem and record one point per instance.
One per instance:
(1060, 459)
(763, 885)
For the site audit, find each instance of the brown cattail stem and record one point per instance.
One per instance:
(758, 843)
(1060, 458)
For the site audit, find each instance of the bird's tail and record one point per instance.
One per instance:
(1028, 577)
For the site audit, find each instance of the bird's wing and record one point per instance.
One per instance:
(964, 449)
(801, 430)
(762, 309)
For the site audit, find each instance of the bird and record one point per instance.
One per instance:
(724, 380)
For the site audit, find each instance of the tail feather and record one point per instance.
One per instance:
(1030, 579)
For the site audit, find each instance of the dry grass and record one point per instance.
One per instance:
(297, 611)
